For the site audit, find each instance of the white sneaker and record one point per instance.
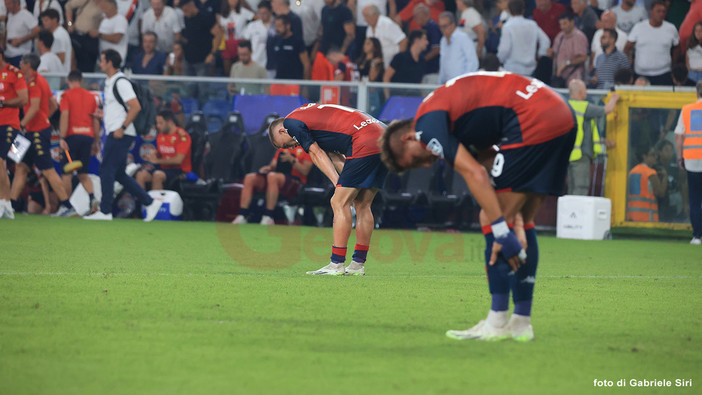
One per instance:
(520, 328)
(239, 220)
(266, 220)
(7, 210)
(355, 269)
(64, 211)
(100, 216)
(482, 331)
(94, 205)
(152, 210)
(696, 241)
(332, 269)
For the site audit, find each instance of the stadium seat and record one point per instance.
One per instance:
(255, 108)
(258, 151)
(399, 107)
(223, 161)
(190, 105)
(406, 197)
(197, 128)
(216, 108)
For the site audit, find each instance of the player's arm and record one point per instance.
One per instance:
(31, 111)
(303, 167)
(174, 160)
(19, 101)
(338, 160)
(323, 162)
(53, 105)
(63, 129)
(113, 38)
(478, 182)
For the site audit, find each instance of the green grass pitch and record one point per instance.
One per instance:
(200, 308)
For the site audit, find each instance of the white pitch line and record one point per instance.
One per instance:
(96, 274)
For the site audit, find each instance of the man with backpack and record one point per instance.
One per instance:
(122, 107)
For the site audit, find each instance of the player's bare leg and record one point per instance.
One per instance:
(253, 182)
(364, 229)
(275, 181)
(5, 206)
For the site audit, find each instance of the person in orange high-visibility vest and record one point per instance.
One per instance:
(688, 139)
(644, 187)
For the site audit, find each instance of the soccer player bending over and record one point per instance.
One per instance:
(330, 133)
(534, 129)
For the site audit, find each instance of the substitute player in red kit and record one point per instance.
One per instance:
(173, 155)
(79, 129)
(343, 144)
(13, 95)
(36, 121)
(534, 130)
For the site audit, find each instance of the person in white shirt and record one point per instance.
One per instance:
(392, 38)
(49, 62)
(113, 29)
(608, 21)
(233, 20)
(310, 12)
(458, 54)
(120, 136)
(655, 42)
(132, 11)
(43, 5)
(472, 23)
(629, 14)
(521, 42)
(693, 54)
(21, 29)
(163, 21)
(62, 40)
(259, 32)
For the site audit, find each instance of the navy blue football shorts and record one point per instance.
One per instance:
(39, 154)
(7, 135)
(79, 147)
(540, 168)
(365, 172)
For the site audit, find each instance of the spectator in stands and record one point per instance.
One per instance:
(149, 60)
(522, 42)
(246, 68)
(404, 16)
(42, 5)
(233, 21)
(162, 20)
(629, 14)
(202, 35)
(624, 77)
(260, 32)
(693, 54)
(79, 132)
(175, 63)
(49, 62)
(409, 66)
(431, 53)
(569, 51)
(20, 30)
(83, 18)
(390, 35)
(338, 28)
(385, 7)
(587, 141)
(120, 136)
(284, 176)
(687, 28)
(472, 24)
(458, 54)
(642, 81)
(132, 11)
(653, 44)
(172, 155)
(609, 21)
(546, 16)
(645, 186)
(611, 60)
(370, 64)
(282, 7)
(113, 29)
(585, 18)
(62, 40)
(495, 26)
(310, 13)
(291, 59)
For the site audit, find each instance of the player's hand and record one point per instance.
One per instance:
(118, 134)
(151, 157)
(264, 169)
(507, 243)
(15, 42)
(63, 145)
(209, 59)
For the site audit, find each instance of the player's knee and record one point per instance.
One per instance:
(159, 176)
(250, 178)
(339, 202)
(142, 176)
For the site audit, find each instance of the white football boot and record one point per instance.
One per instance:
(355, 269)
(332, 269)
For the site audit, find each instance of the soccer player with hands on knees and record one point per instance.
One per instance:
(534, 130)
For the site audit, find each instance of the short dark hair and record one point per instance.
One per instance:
(50, 13)
(567, 15)
(245, 44)
(46, 38)
(112, 56)
(265, 4)
(516, 7)
(75, 75)
(659, 2)
(276, 122)
(623, 76)
(386, 155)
(415, 35)
(32, 60)
(285, 18)
(150, 33)
(184, 2)
(167, 115)
(491, 62)
(612, 32)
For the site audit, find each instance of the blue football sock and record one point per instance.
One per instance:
(360, 253)
(338, 254)
(523, 284)
(498, 277)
